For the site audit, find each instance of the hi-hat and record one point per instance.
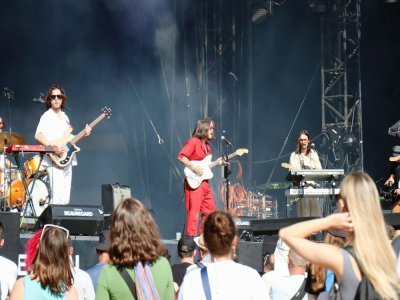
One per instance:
(14, 138)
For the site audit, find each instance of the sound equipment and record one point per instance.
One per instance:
(393, 219)
(78, 219)
(250, 254)
(10, 223)
(112, 195)
(272, 226)
(310, 192)
(317, 175)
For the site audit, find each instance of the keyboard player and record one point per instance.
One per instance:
(304, 157)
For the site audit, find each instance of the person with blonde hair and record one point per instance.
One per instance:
(137, 269)
(361, 217)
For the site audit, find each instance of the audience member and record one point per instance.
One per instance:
(227, 278)
(137, 269)
(362, 219)
(9, 270)
(82, 281)
(50, 274)
(204, 255)
(269, 273)
(186, 253)
(285, 287)
(102, 254)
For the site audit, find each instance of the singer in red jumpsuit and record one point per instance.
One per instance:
(200, 199)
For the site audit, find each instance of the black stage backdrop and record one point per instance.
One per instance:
(148, 60)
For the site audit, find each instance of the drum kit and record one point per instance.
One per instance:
(16, 184)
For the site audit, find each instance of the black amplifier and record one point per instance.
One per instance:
(78, 219)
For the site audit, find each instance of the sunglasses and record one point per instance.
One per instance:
(60, 96)
(49, 226)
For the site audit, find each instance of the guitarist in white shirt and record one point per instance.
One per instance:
(198, 199)
(53, 124)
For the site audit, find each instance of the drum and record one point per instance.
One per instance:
(15, 195)
(32, 165)
(40, 196)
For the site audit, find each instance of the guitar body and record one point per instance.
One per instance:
(192, 179)
(69, 150)
(68, 142)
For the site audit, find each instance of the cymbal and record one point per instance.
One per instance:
(14, 139)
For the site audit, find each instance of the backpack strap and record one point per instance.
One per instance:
(206, 283)
(351, 251)
(128, 280)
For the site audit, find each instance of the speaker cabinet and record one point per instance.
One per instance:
(112, 195)
(79, 220)
(10, 223)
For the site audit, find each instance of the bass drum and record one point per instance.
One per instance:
(40, 196)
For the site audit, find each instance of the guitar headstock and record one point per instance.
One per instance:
(241, 151)
(107, 111)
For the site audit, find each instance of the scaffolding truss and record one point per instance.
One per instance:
(341, 85)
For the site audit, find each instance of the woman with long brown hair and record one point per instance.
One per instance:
(137, 268)
(50, 275)
(361, 217)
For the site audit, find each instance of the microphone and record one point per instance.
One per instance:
(225, 140)
(312, 146)
(38, 100)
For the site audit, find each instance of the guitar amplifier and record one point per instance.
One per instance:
(112, 195)
(78, 219)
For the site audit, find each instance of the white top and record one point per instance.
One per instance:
(228, 280)
(8, 276)
(83, 284)
(285, 287)
(299, 161)
(53, 127)
(268, 278)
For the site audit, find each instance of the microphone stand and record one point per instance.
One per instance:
(225, 174)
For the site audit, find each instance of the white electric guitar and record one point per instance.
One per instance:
(206, 164)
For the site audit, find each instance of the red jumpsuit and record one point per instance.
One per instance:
(200, 199)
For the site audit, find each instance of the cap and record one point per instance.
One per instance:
(186, 244)
(199, 240)
(396, 151)
(104, 241)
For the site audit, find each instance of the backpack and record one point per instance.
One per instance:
(365, 289)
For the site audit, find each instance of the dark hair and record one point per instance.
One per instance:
(219, 232)
(298, 146)
(1, 231)
(134, 235)
(202, 128)
(47, 99)
(51, 265)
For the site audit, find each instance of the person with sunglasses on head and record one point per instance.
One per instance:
(49, 275)
(53, 125)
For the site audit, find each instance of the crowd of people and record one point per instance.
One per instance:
(132, 262)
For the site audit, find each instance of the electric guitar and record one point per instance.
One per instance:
(68, 143)
(194, 180)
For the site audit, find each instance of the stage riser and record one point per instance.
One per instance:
(272, 226)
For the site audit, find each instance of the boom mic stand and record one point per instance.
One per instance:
(225, 174)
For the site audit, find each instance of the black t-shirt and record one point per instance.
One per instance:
(179, 271)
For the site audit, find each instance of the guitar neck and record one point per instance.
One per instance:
(215, 163)
(82, 133)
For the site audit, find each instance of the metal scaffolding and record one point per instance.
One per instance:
(341, 85)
